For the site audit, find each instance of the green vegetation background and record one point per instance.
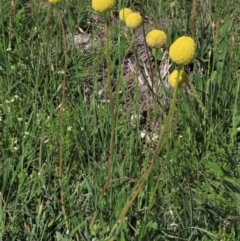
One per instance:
(197, 173)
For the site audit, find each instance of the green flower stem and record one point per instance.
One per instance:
(111, 103)
(196, 96)
(61, 142)
(162, 139)
(235, 111)
(145, 43)
(150, 87)
(12, 12)
(155, 96)
(169, 118)
(166, 128)
(119, 83)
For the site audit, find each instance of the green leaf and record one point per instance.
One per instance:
(157, 54)
(122, 238)
(222, 174)
(226, 28)
(216, 169)
(152, 225)
(232, 180)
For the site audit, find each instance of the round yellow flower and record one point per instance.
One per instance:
(54, 1)
(182, 80)
(103, 5)
(124, 13)
(156, 39)
(182, 51)
(134, 20)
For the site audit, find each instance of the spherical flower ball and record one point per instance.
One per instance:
(182, 51)
(134, 20)
(54, 1)
(156, 39)
(182, 80)
(124, 13)
(103, 5)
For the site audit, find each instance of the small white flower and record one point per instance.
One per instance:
(20, 119)
(143, 134)
(136, 118)
(14, 141)
(15, 148)
(26, 134)
(69, 128)
(16, 97)
(100, 92)
(155, 137)
(61, 72)
(173, 224)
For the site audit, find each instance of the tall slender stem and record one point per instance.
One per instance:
(111, 103)
(61, 139)
(12, 12)
(162, 139)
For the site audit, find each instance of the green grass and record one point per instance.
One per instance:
(192, 192)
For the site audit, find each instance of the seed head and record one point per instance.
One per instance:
(182, 51)
(124, 13)
(134, 20)
(182, 80)
(103, 6)
(156, 39)
(54, 1)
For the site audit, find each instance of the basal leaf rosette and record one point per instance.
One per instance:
(103, 6)
(156, 39)
(134, 20)
(182, 79)
(182, 51)
(124, 13)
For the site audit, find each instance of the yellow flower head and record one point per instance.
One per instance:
(182, 80)
(156, 39)
(182, 51)
(124, 13)
(54, 1)
(103, 5)
(134, 20)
